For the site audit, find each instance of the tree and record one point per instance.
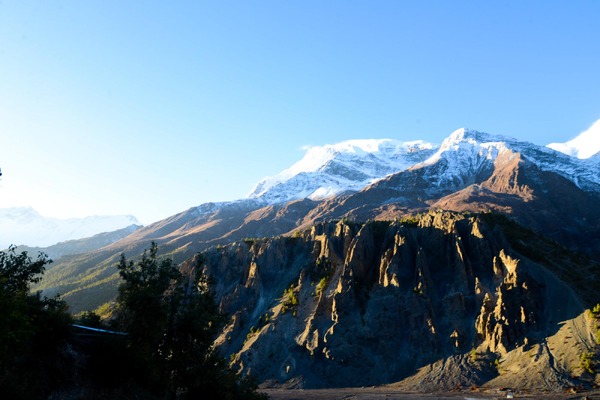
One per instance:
(172, 321)
(34, 330)
(18, 271)
(142, 310)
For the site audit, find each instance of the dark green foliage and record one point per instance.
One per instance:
(324, 266)
(350, 223)
(33, 331)
(89, 318)
(262, 322)
(18, 271)
(172, 321)
(379, 229)
(290, 300)
(587, 362)
(250, 240)
(322, 284)
(143, 307)
(322, 272)
(410, 220)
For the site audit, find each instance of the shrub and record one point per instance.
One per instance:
(322, 268)
(473, 355)
(250, 240)
(290, 300)
(586, 361)
(322, 284)
(410, 220)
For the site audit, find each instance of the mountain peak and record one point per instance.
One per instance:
(464, 144)
(333, 168)
(585, 145)
(458, 135)
(473, 136)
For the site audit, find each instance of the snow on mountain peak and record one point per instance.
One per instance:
(466, 151)
(330, 169)
(318, 156)
(585, 145)
(456, 136)
(463, 142)
(464, 135)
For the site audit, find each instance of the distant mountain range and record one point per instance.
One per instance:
(372, 262)
(79, 246)
(25, 226)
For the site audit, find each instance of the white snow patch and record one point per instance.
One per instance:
(585, 145)
(333, 168)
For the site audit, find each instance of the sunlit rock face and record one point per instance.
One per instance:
(346, 304)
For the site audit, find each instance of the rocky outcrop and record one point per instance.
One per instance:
(347, 304)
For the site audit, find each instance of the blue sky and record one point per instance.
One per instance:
(149, 108)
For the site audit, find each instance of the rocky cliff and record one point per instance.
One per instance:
(443, 299)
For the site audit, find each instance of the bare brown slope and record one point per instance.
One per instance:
(543, 201)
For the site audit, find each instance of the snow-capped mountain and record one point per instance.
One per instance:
(332, 169)
(25, 226)
(585, 145)
(353, 165)
(465, 153)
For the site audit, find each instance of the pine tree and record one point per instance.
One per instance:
(172, 320)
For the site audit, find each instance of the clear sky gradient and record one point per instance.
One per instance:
(149, 108)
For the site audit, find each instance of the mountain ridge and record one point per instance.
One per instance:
(83, 245)
(25, 226)
(471, 172)
(310, 177)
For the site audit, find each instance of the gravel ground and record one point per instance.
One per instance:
(391, 394)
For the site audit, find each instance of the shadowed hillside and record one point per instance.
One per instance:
(346, 304)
